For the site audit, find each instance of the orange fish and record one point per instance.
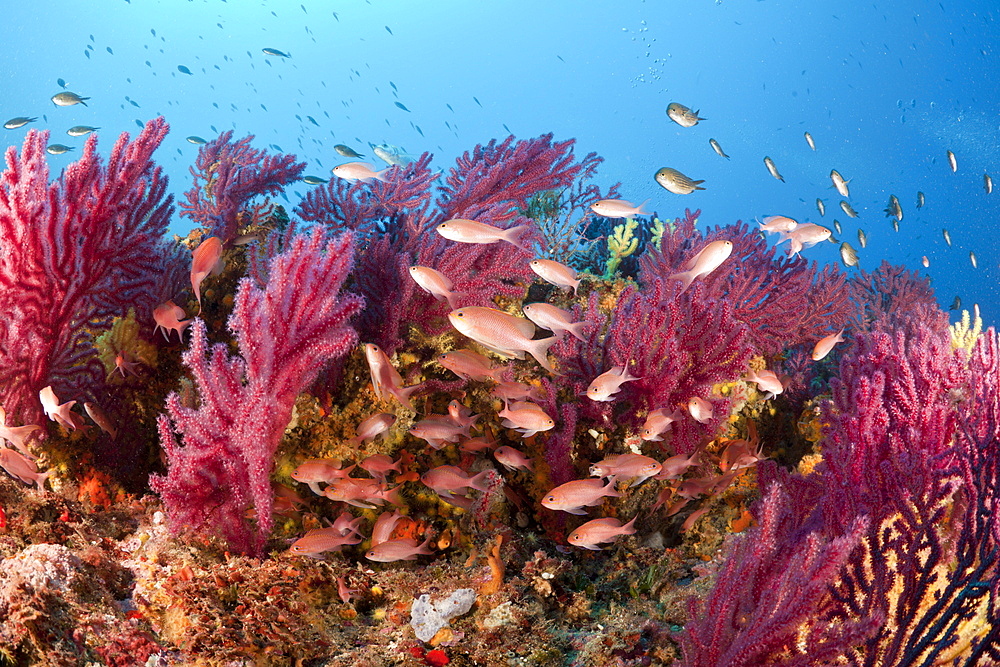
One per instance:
(618, 208)
(471, 365)
(573, 496)
(386, 380)
(607, 384)
(707, 260)
(825, 345)
(56, 411)
(22, 467)
(321, 540)
(358, 171)
(556, 320)
(15, 434)
(502, 333)
(593, 533)
(470, 231)
(205, 260)
(435, 283)
(526, 417)
(700, 409)
(405, 548)
(512, 459)
(168, 318)
(558, 274)
(636, 467)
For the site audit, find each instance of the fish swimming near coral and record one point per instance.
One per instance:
(707, 260)
(598, 531)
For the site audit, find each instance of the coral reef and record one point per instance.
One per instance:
(321, 468)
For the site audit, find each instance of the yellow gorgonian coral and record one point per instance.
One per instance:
(965, 332)
(123, 339)
(621, 244)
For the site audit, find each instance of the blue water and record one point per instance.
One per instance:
(884, 88)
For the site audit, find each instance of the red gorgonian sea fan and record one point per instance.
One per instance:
(286, 331)
(75, 253)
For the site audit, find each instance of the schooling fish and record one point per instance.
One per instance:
(676, 182)
(717, 148)
(947, 237)
(836, 226)
(920, 199)
(358, 171)
(81, 130)
(956, 304)
(862, 238)
(953, 161)
(275, 52)
(558, 274)
(809, 140)
(20, 121)
(825, 344)
(604, 387)
(848, 254)
(593, 533)
(682, 115)
(313, 180)
(68, 99)
(840, 183)
(196, 140)
(987, 183)
(573, 496)
(851, 213)
(346, 151)
(894, 210)
(58, 149)
(470, 231)
(821, 207)
(775, 224)
(769, 163)
(503, 333)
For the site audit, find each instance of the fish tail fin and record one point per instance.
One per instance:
(686, 278)
(451, 297)
(610, 491)
(696, 183)
(481, 482)
(629, 528)
(539, 350)
(576, 330)
(641, 208)
(381, 175)
(514, 234)
(403, 394)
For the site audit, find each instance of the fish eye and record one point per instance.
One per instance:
(550, 499)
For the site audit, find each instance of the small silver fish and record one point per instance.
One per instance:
(809, 140)
(81, 130)
(953, 161)
(987, 183)
(68, 99)
(848, 255)
(275, 52)
(717, 148)
(196, 140)
(20, 121)
(840, 183)
(392, 155)
(920, 199)
(862, 238)
(956, 304)
(313, 180)
(58, 149)
(947, 237)
(820, 206)
(836, 225)
(769, 163)
(676, 182)
(682, 115)
(847, 209)
(972, 258)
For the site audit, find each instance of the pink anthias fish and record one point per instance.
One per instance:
(556, 320)
(372, 427)
(598, 531)
(516, 391)
(22, 467)
(439, 430)
(700, 409)
(635, 467)
(435, 283)
(56, 411)
(502, 333)
(384, 525)
(607, 384)
(776, 224)
(316, 471)
(320, 540)
(206, 260)
(16, 435)
(657, 423)
(513, 459)
(363, 493)
(386, 380)
(675, 466)
(470, 231)
(825, 345)
(573, 496)
(404, 548)
(767, 381)
(804, 236)
(380, 465)
(525, 417)
(353, 172)
(707, 260)
(451, 480)
(470, 365)
(558, 274)
(618, 208)
(168, 318)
